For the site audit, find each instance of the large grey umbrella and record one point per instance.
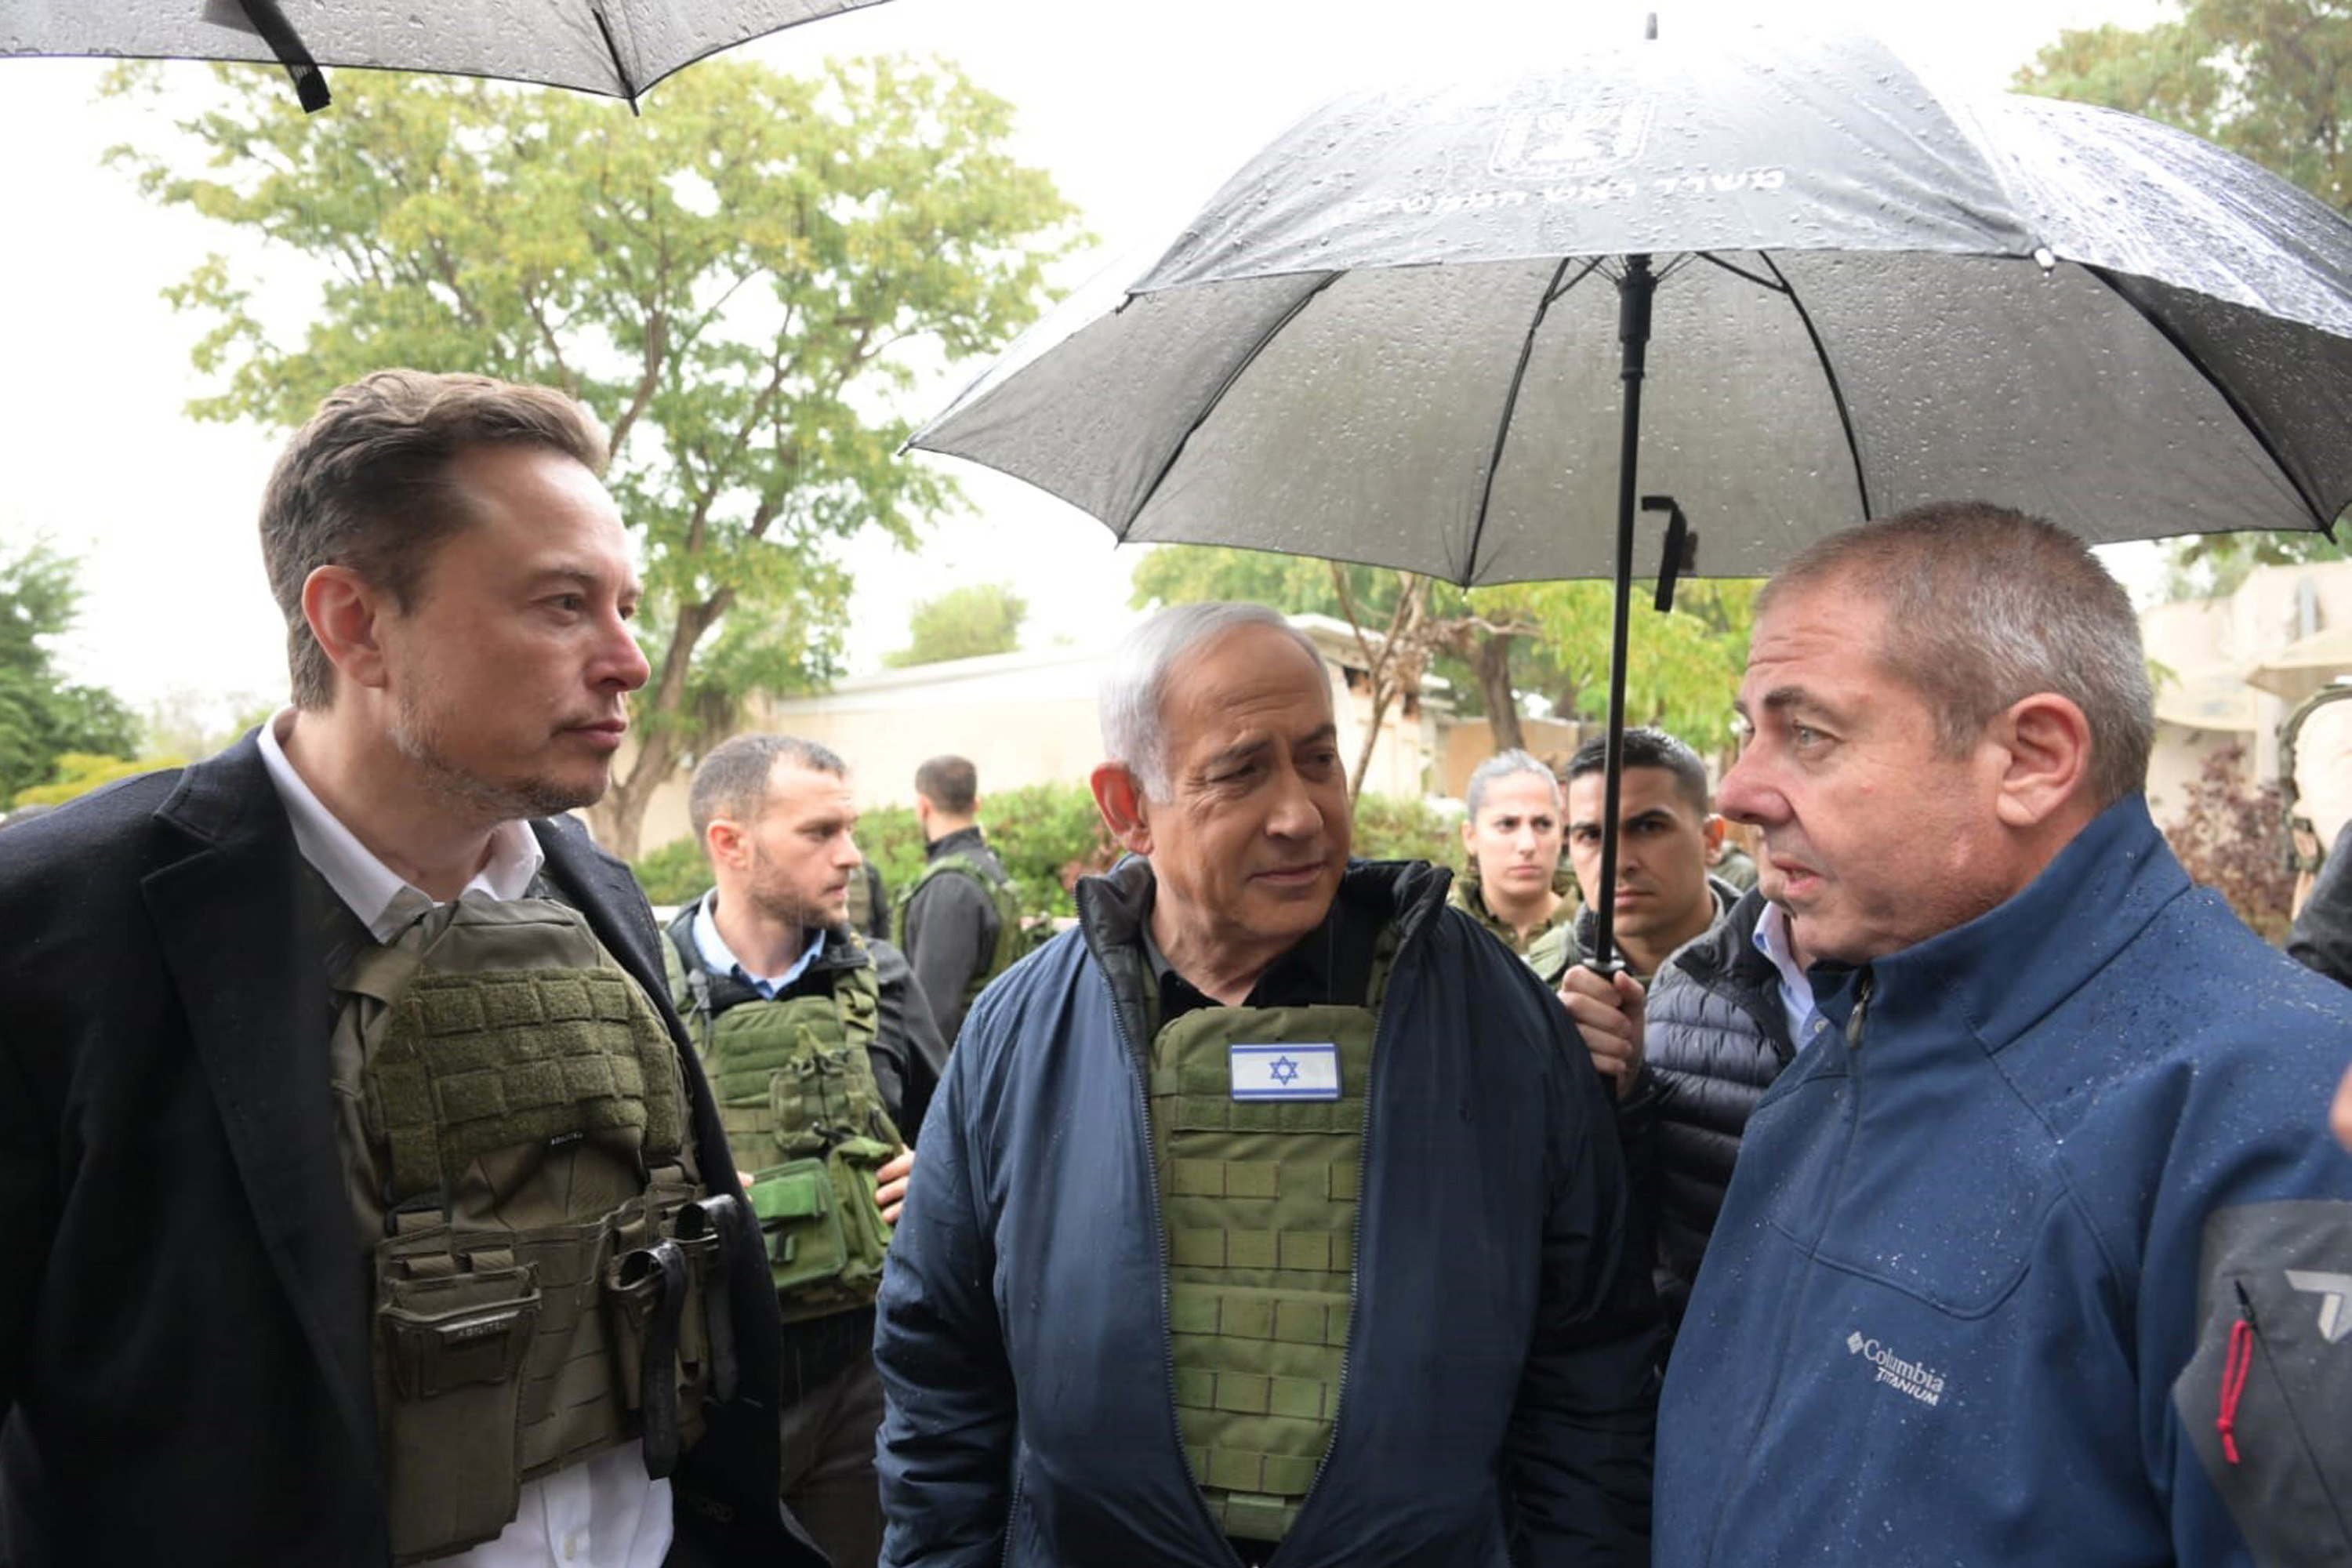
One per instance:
(618, 48)
(1412, 332)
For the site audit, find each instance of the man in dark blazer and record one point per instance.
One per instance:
(185, 1360)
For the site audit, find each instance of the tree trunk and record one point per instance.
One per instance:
(1495, 681)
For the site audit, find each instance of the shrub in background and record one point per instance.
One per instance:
(2231, 837)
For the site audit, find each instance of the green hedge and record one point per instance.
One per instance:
(1049, 835)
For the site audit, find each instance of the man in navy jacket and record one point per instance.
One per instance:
(1275, 1203)
(2039, 1254)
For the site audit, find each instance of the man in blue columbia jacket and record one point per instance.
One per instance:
(2040, 1253)
(1276, 1205)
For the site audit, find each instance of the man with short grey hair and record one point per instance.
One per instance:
(2037, 1255)
(1274, 1205)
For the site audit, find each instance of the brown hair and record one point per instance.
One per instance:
(365, 485)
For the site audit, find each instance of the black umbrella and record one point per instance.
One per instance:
(1417, 329)
(617, 47)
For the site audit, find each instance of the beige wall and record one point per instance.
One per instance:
(1469, 741)
(2210, 646)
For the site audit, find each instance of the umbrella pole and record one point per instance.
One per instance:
(1635, 290)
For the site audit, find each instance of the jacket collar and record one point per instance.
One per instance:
(963, 841)
(2002, 972)
(1408, 894)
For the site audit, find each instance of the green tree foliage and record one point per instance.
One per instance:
(42, 718)
(2269, 79)
(962, 622)
(75, 773)
(739, 283)
(1683, 669)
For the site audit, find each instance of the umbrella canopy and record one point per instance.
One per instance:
(617, 47)
(1416, 330)
(1394, 338)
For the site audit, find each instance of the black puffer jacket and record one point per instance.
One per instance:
(1717, 1037)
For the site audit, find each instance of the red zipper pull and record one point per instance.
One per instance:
(2234, 1369)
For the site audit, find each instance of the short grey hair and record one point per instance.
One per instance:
(732, 780)
(1134, 688)
(1503, 766)
(1985, 607)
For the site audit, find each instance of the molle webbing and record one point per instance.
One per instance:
(475, 1063)
(805, 1115)
(547, 1273)
(1259, 1202)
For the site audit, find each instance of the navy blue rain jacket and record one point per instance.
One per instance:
(2010, 1247)
(1498, 1394)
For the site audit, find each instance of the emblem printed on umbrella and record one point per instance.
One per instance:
(1559, 140)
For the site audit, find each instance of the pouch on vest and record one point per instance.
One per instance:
(804, 1116)
(548, 1270)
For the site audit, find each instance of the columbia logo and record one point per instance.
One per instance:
(1921, 1383)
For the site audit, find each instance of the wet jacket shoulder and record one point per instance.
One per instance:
(1717, 1037)
(1026, 1290)
(2054, 1194)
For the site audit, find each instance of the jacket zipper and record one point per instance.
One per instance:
(1167, 1339)
(1012, 1510)
(1864, 983)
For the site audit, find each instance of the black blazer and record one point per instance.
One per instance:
(184, 1358)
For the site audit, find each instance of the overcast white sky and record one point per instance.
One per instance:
(1140, 112)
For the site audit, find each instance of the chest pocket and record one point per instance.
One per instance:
(1940, 1196)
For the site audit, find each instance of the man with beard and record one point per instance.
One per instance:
(822, 1054)
(365, 1202)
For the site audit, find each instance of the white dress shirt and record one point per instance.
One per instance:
(606, 1512)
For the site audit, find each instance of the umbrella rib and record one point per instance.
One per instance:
(1208, 405)
(1829, 373)
(1552, 290)
(2325, 523)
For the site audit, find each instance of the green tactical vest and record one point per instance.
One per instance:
(1259, 1201)
(1012, 940)
(548, 1273)
(804, 1117)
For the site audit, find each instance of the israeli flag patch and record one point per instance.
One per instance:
(1286, 1072)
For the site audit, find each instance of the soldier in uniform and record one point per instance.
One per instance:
(962, 924)
(1515, 884)
(365, 1203)
(820, 1051)
(1273, 1207)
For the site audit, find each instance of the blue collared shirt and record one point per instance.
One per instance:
(722, 957)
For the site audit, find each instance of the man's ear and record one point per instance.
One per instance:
(1120, 801)
(2046, 742)
(723, 843)
(1711, 835)
(345, 611)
